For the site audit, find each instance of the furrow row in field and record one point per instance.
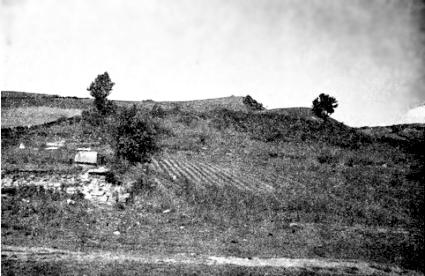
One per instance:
(188, 174)
(258, 184)
(208, 175)
(169, 169)
(176, 169)
(230, 178)
(204, 175)
(156, 166)
(221, 175)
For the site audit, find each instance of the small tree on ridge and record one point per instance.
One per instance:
(324, 105)
(100, 89)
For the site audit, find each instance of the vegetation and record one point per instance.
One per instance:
(324, 105)
(352, 193)
(100, 89)
(252, 104)
(134, 136)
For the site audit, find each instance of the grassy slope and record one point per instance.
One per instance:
(352, 192)
(24, 116)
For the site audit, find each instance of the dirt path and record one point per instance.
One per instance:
(41, 254)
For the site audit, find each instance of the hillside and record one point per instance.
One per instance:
(276, 183)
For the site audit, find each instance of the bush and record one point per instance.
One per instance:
(252, 104)
(92, 117)
(327, 157)
(158, 111)
(188, 119)
(134, 136)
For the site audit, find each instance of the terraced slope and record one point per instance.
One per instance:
(204, 175)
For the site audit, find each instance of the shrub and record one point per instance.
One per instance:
(134, 136)
(252, 104)
(188, 119)
(158, 111)
(92, 117)
(327, 157)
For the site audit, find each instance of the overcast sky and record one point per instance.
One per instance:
(368, 54)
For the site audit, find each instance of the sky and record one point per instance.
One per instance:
(369, 55)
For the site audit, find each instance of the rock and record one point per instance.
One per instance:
(84, 149)
(21, 146)
(70, 190)
(166, 211)
(70, 201)
(116, 233)
(103, 198)
(56, 184)
(56, 144)
(98, 193)
(123, 198)
(294, 224)
(6, 182)
(99, 171)
(84, 177)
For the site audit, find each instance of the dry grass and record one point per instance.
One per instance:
(30, 116)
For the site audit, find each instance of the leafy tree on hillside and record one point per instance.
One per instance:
(100, 89)
(324, 105)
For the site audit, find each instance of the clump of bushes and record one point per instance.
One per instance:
(92, 117)
(327, 157)
(252, 104)
(134, 136)
(157, 111)
(188, 119)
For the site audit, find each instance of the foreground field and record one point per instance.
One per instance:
(63, 261)
(227, 183)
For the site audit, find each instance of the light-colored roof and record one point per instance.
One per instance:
(86, 157)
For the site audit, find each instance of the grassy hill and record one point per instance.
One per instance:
(271, 183)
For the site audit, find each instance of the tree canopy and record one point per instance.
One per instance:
(324, 105)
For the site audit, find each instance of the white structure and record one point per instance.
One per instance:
(86, 157)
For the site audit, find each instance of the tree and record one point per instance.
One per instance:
(324, 105)
(134, 136)
(100, 89)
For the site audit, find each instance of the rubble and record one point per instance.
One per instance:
(93, 187)
(57, 144)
